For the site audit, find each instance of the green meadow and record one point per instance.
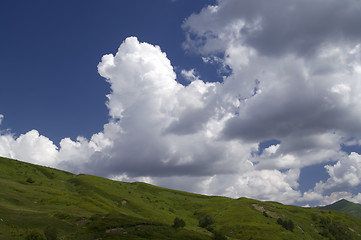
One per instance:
(43, 203)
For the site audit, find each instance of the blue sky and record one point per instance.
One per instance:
(50, 52)
(227, 97)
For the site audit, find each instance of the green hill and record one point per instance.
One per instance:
(36, 201)
(345, 206)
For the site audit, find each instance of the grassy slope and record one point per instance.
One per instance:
(345, 206)
(89, 207)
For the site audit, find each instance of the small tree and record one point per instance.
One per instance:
(205, 221)
(178, 223)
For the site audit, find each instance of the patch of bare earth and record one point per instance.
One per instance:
(118, 229)
(262, 209)
(82, 221)
(352, 230)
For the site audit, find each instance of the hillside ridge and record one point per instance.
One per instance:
(40, 201)
(345, 206)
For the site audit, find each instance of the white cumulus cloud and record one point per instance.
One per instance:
(30, 147)
(190, 75)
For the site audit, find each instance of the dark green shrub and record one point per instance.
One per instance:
(178, 223)
(205, 221)
(290, 225)
(35, 235)
(217, 235)
(210, 228)
(286, 224)
(30, 180)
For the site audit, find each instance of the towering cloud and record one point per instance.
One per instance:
(295, 68)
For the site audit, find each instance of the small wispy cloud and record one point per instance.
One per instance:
(190, 75)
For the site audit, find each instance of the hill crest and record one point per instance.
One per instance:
(35, 198)
(345, 206)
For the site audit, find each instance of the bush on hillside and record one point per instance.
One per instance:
(30, 180)
(286, 224)
(217, 235)
(35, 235)
(205, 221)
(178, 223)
